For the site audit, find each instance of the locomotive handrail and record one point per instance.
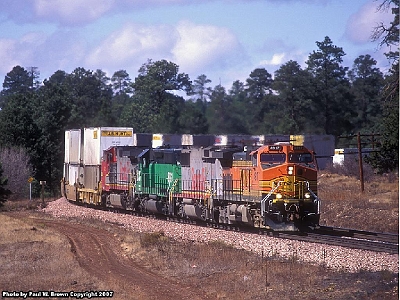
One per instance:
(170, 196)
(267, 196)
(316, 198)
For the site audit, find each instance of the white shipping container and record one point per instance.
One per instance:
(338, 158)
(96, 140)
(187, 140)
(73, 145)
(157, 140)
(349, 155)
(73, 174)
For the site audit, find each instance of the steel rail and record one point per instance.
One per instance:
(343, 237)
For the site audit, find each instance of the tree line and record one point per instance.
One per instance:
(325, 97)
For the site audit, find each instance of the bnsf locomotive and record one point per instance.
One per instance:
(269, 186)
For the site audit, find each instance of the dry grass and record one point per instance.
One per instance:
(344, 205)
(222, 272)
(26, 204)
(35, 258)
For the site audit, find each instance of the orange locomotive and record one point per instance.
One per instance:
(279, 185)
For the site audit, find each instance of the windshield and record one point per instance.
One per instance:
(300, 158)
(272, 158)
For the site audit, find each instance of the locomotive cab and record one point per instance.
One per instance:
(287, 177)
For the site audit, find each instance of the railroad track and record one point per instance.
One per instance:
(349, 238)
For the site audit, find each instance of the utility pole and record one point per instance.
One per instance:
(360, 152)
(360, 163)
(42, 183)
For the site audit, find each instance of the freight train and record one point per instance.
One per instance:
(251, 181)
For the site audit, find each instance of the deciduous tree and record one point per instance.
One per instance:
(4, 192)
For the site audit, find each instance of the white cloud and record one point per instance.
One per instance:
(132, 45)
(7, 54)
(277, 59)
(72, 11)
(360, 25)
(194, 48)
(19, 51)
(202, 46)
(62, 50)
(78, 12)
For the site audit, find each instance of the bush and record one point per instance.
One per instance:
(351, 168)
(16, 167)
(4, 192)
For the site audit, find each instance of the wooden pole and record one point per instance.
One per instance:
(42, 183)
(360, 163)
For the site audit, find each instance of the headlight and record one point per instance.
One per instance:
(307, 195)
(290, 170)
(278, 196)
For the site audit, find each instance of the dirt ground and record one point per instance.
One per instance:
(98, 252)
(85, 257)
(40, 253)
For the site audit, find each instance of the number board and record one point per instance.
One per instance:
(275, 148)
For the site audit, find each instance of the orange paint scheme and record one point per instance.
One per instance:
(286, 169)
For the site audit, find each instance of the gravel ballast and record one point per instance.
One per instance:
(333, 257)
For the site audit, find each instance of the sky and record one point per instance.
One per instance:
(223, 39)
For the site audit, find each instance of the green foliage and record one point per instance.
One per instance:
(91, 99)
(387, 159)
(332, 99)
(258, 86)
(367, 82)
(121, 83)
(51, 118)
(17, 124)
(294, 89)
(324, 98)
(17, 81)
(155, 108)
(199, 88)
(192, 118)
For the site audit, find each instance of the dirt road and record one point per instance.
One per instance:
(99, 253)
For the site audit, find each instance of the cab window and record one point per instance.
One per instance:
(269, 159)
(254, 159)
(300, 158)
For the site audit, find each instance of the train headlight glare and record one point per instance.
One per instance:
(307, 195)
(278, 196)
(290, 170)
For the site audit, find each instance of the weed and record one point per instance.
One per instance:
(152, 239)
